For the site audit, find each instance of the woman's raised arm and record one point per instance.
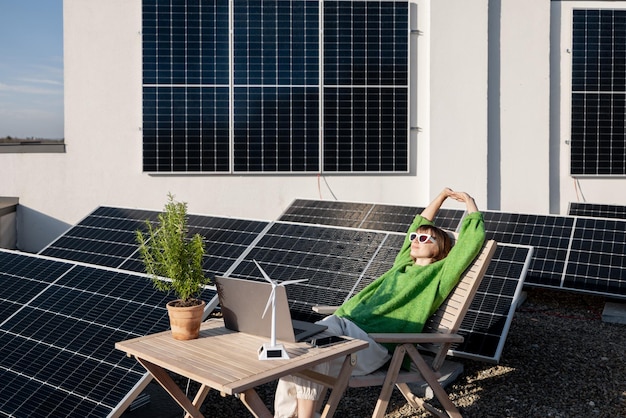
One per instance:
(431, 210)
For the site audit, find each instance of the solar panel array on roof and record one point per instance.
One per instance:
(61, 319)
(338, 260)
(48, 318)
(58, 327)
(561, 258)
(597, 210)
(106, 237)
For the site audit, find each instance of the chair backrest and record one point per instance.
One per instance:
(448, 318)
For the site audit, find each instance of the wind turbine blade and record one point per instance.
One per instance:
(269, 301)
(286, 282)
(264, 273)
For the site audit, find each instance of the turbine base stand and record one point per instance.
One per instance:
(272, 352)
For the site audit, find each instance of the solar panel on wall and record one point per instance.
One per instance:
(270, 64)
(59, 324)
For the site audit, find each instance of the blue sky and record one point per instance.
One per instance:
(31, 68)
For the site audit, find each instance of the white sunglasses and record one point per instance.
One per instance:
(421, 238)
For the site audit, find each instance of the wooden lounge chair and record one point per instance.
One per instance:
(438, 336)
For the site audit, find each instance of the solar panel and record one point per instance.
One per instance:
(486, 324)
(326, 212)
(364, 215)
(489, 317)
(281, 75)
(332, 259)
(60, 321)
(597, 210)
(598, 104)
(597, 258)
(398, 218)
(560, 258)
(106, 237)
(549, 235)
(339, 262)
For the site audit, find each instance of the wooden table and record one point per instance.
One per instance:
(227, 361)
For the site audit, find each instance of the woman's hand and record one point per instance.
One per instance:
(431, 210)
(465, 198)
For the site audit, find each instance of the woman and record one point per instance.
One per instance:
(401, 300)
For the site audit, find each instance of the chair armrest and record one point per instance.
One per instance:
(325, 309)
(416, 338)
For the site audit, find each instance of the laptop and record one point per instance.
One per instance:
(243, 303)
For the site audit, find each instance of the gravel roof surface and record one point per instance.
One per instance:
(560, 360)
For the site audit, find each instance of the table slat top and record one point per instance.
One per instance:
(228, 360)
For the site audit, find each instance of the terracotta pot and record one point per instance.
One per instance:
(185, 322)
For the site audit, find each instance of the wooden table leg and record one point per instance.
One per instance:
(339, 387)
(200, 397)
(250, 398)
(164, 379)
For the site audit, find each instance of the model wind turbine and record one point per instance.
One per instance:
(271, 350)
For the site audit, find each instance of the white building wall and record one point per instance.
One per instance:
(496, 149)
(457, 91)
(524, 106)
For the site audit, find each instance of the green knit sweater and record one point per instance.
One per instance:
(403, 298)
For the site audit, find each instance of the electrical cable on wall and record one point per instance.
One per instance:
(579, 192)
(319, 187)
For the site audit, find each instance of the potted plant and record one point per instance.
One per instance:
(173, 260)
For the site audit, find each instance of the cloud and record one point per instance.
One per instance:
(41, 81)
(31, 89)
